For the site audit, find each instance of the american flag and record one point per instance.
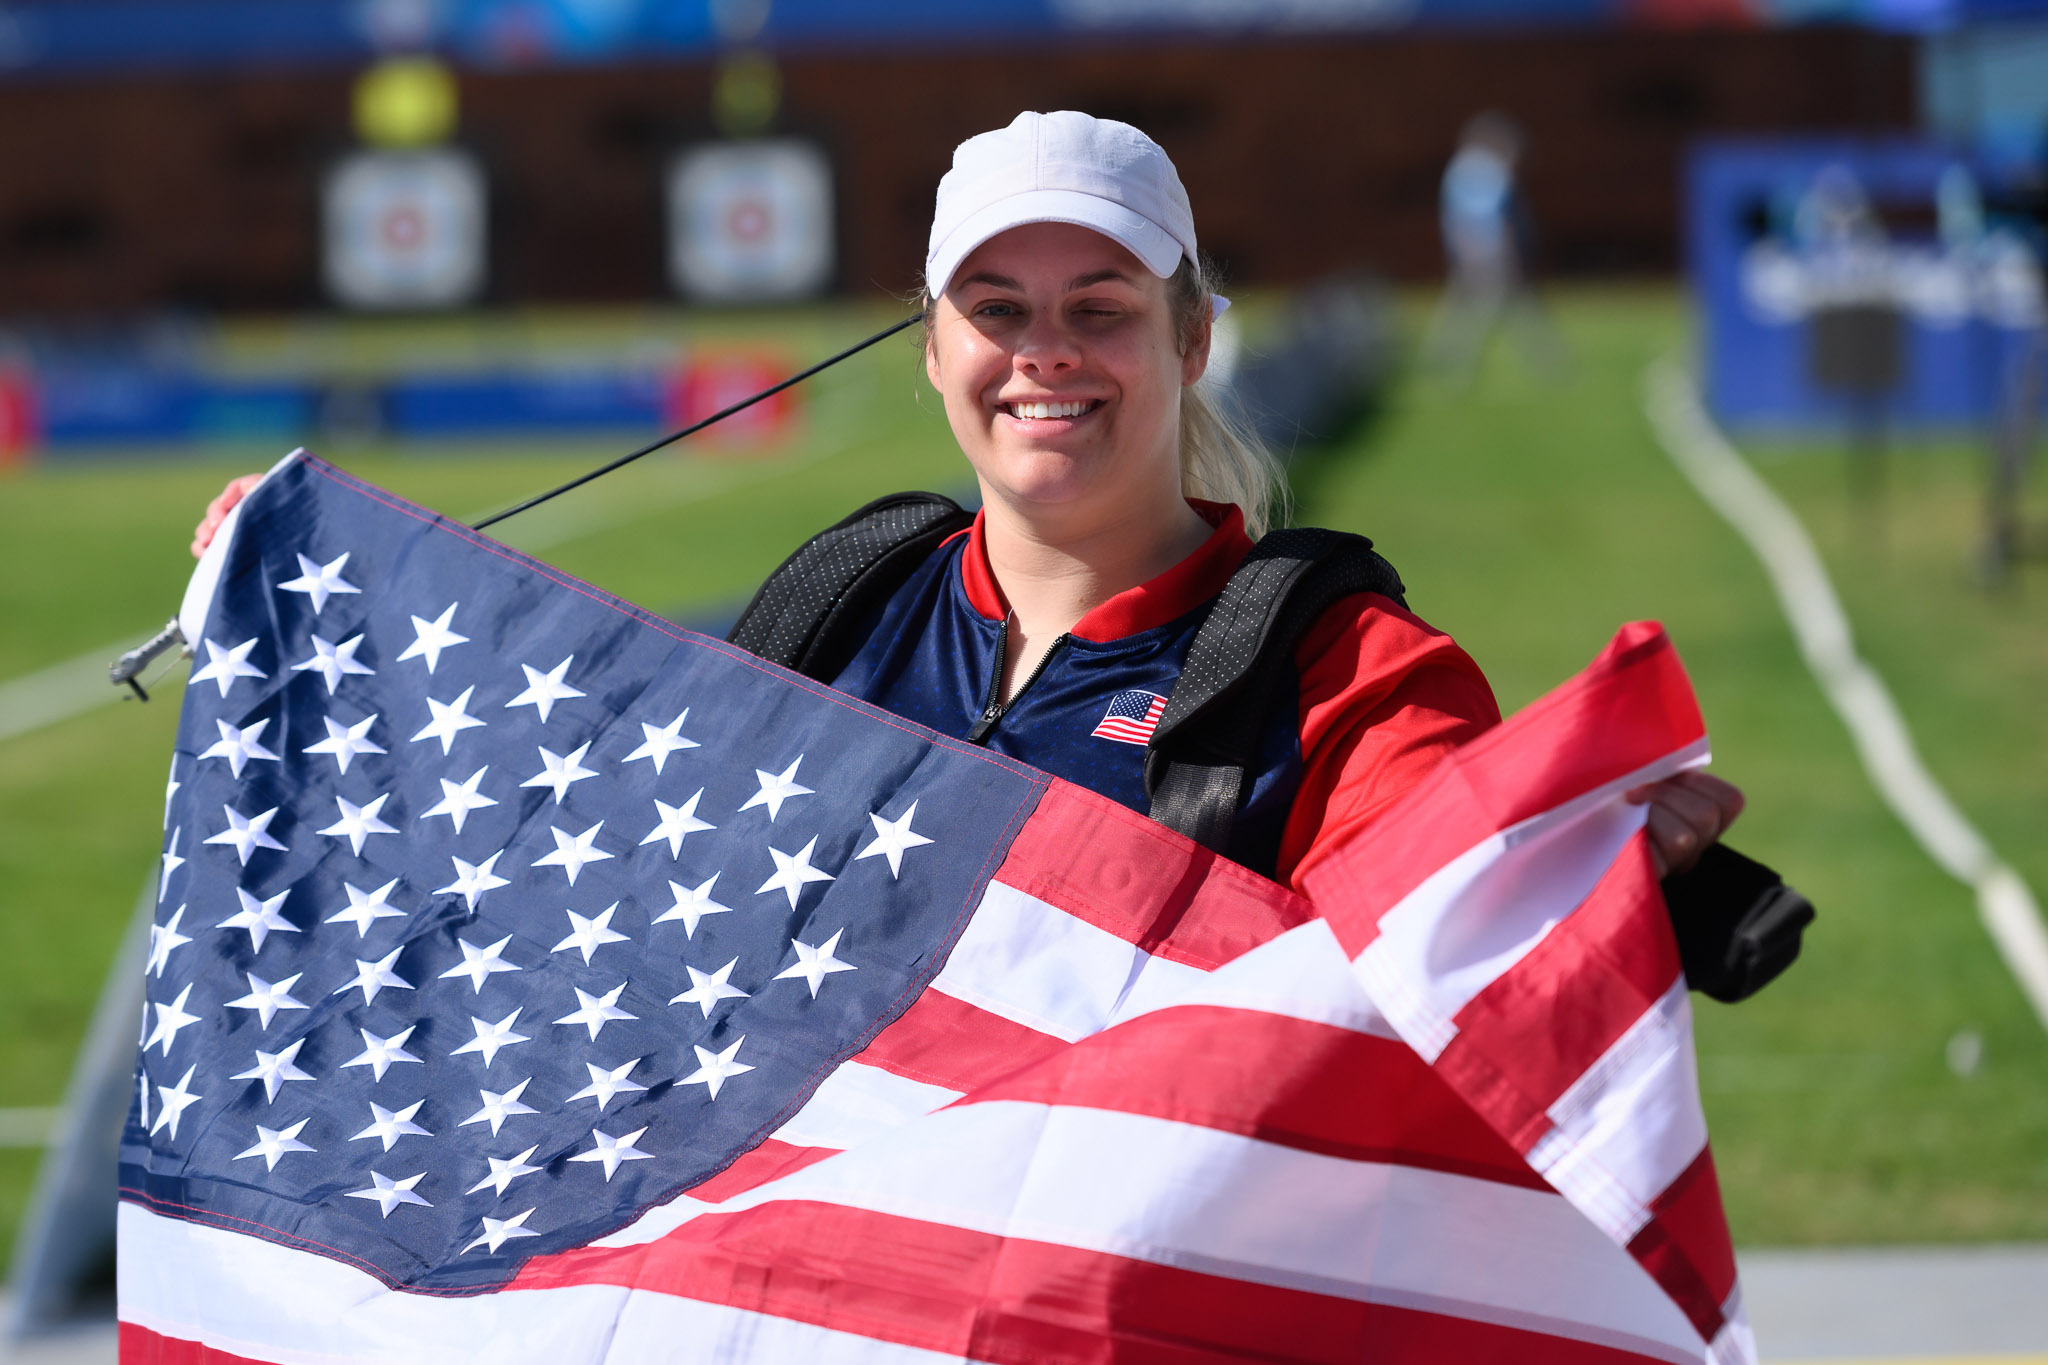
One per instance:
(1132, 717)
(533, 980)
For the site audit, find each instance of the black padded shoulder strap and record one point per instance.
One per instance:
(808, 614)
(1210, 732)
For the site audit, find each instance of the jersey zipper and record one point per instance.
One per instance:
(992, 711)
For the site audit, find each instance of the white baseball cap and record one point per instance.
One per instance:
(1066, 167)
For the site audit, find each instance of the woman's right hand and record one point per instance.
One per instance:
(217, 511)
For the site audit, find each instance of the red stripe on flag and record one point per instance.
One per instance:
(1019, 1302)
(770, 1161)
(1634, 698)
(1125, 874)
(140, 1346)
(1686, 1246)
(1341, 1093)
(941, 1040)
(1536, 1029)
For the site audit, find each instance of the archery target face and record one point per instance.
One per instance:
(405, 229)
(750, 221)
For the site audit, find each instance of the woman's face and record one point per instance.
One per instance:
(1054, 349)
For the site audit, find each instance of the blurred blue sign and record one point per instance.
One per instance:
(1855, 281)
(82, 35)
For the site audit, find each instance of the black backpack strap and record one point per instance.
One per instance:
(1210, 732)
(810, 612)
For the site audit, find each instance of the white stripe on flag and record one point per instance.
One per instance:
(1036, 965)
(1631, 1124)
(1129, 1185)
(1484, 911)
(294, 1308)
(858, 1102)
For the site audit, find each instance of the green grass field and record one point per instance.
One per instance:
(1529, 519)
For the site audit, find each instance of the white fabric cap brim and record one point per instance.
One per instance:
(1145, 239)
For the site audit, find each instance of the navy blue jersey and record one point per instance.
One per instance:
(932, 657)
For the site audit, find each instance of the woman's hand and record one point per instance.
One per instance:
(1687, 813)
(217, 511)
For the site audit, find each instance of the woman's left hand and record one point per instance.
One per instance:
(1687, 813)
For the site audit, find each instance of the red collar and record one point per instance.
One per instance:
(1172, 594)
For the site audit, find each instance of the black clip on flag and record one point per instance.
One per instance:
(125, 671)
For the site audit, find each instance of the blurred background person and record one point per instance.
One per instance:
(1487, 236)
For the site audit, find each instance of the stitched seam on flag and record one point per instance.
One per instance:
(228, 1222)
(436, 522)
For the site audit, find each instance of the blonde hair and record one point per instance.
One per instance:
(1221, 459)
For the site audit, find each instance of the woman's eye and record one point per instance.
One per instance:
(996, 310)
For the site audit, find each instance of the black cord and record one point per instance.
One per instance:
(675, 436)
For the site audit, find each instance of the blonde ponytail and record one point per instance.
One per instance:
(1221, 459)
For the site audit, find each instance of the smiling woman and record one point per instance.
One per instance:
(1068, 323)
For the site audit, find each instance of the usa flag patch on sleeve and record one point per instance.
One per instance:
(1132, 717)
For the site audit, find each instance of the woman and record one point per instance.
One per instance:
(1068, 322)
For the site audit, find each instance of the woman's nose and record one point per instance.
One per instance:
(1047, 345)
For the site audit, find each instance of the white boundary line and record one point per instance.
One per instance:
(1851, 686)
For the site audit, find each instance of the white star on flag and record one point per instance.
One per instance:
(499, 1106)
(793, 871)
(714, 1069)
(677, 823)
(813, 965)
(246, 834)
(273, 1144)
(174, 1100)
(172, 862)
(334, 662)
(587, 935)
(505, 1170)
(431, 637)
(662, 740)
(613, 1152)
(223, 666)
(692, 906)
(239, 747)
(274, 1069)
(389, 1125)
(473, 879)
(458, 799)
(261, 918)
(163, 939)
(708, 988)
(171, 785)
(892, 838)
(380, 1054)
(358, 823)
(366, 907)
(319, 581)
(451, 718)
(390, 1193)
(776, 788)
(344, 742)
(478, 963)
(497, 1231)
(559, 773)
(267, 998)
(372, 977)
(543, 690)
(491, 1038)
(572, 852)
(169, 1019)
(595, 1011)
(605, 1085)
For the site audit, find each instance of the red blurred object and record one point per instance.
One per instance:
(18, 425)
(708, 382)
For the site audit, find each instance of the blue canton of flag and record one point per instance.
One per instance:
(495, 911)
(1131, 718)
